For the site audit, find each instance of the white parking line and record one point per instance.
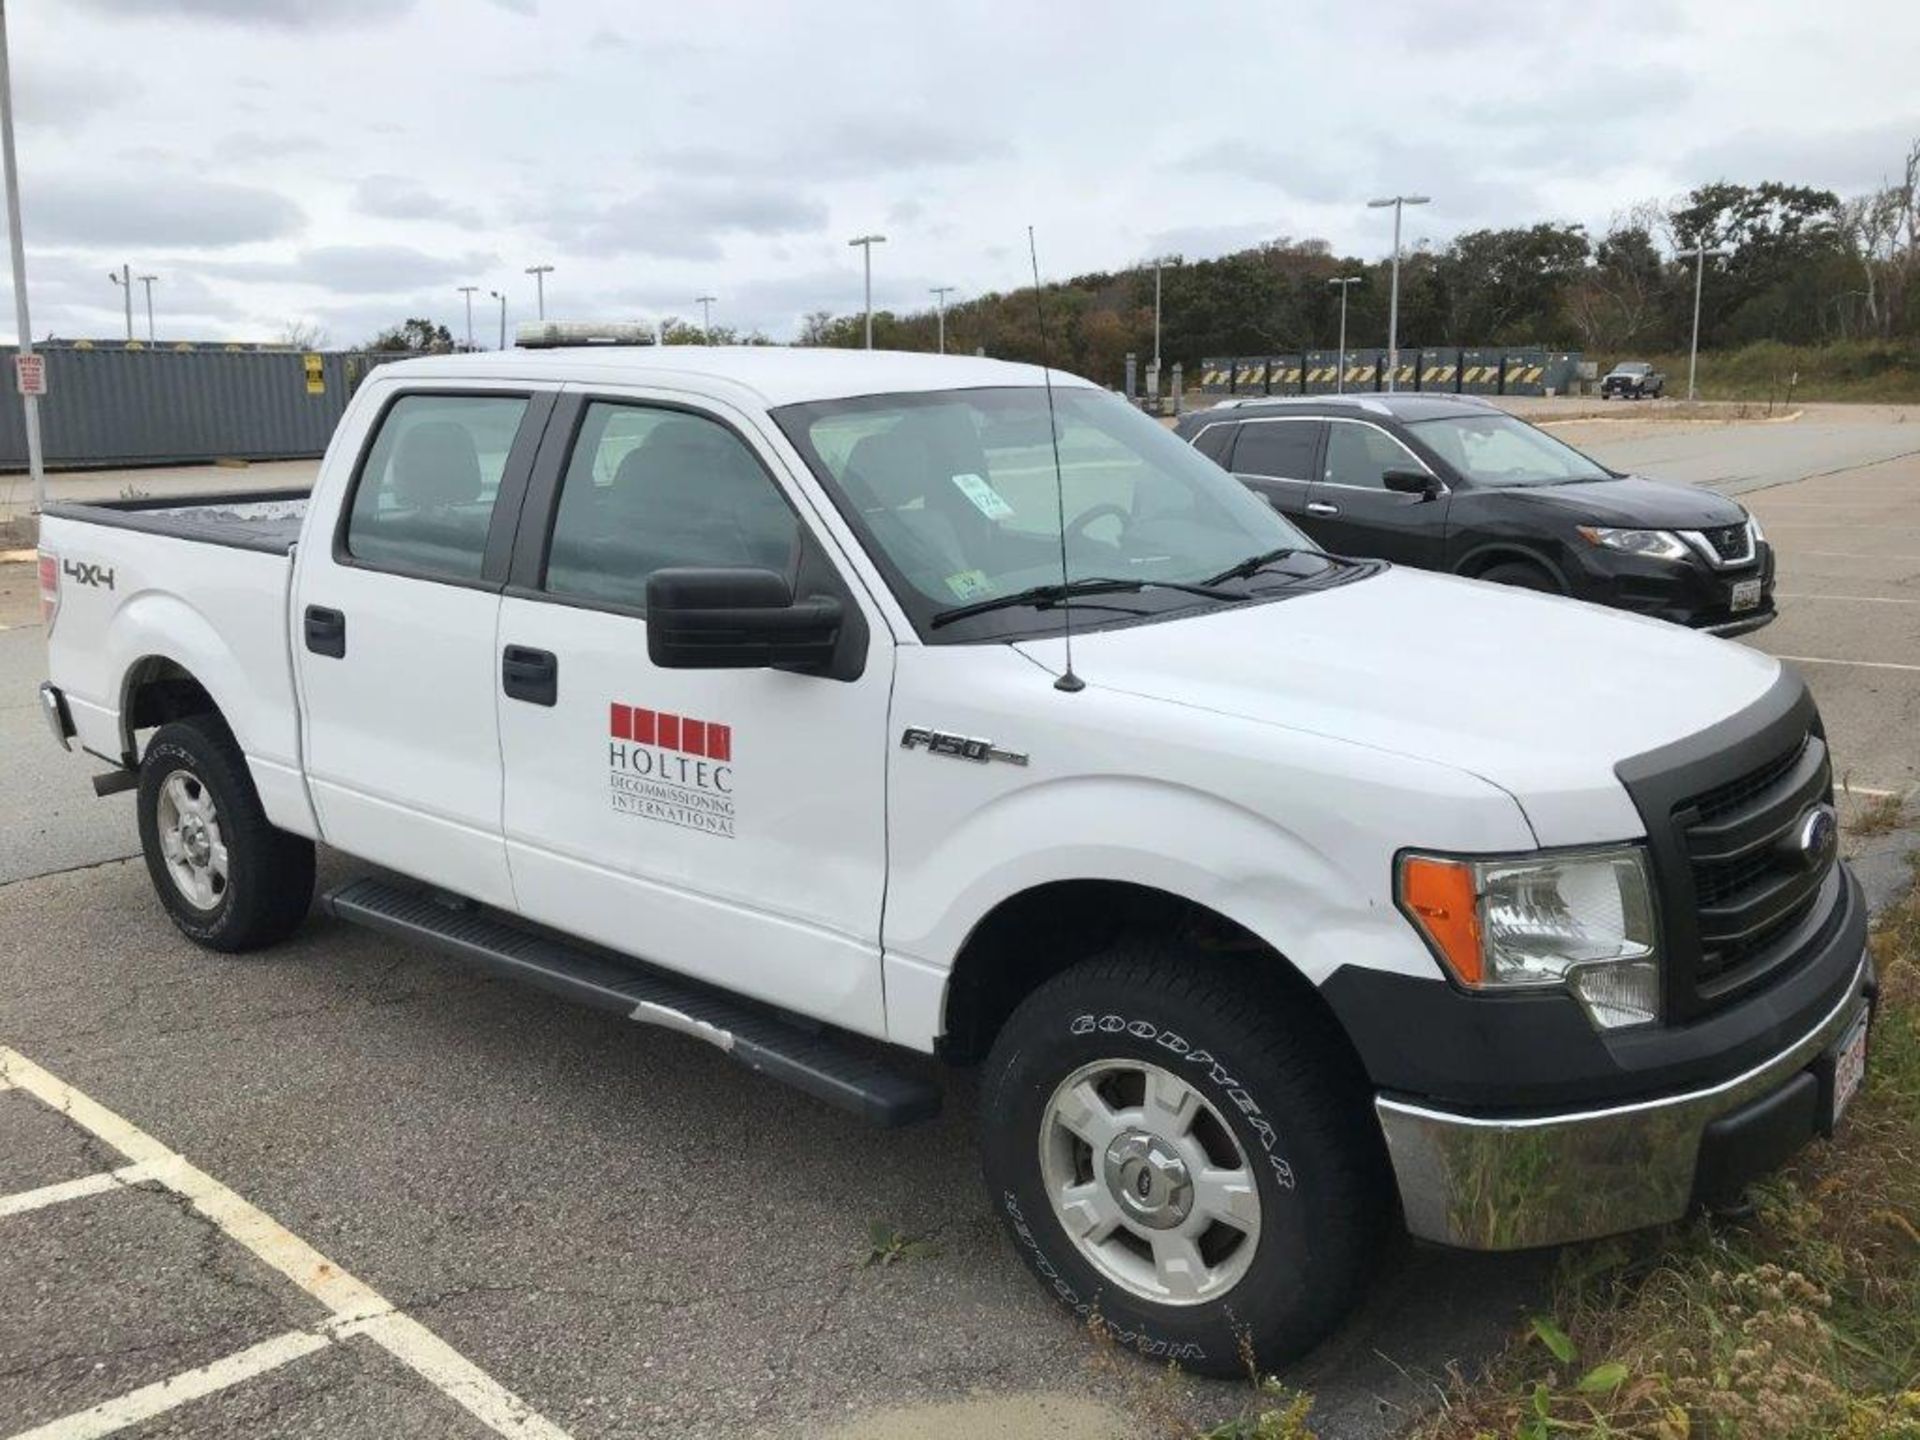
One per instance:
(73, 1189)
(357, 1308)
(1863, 664)
(1860, 555)
(165, 1395)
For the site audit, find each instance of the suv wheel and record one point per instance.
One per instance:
(1186, 1155)
(1521, 575)
(229, 879)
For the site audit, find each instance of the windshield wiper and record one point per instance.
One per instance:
(1043, 596)
(1252, 565)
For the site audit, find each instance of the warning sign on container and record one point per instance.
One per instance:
(316, 374)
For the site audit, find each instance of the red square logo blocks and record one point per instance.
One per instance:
(671, 732)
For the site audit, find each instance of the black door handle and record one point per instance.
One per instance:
(326, 631)
(530, 675)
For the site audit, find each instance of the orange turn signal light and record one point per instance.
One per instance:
(1438, 896)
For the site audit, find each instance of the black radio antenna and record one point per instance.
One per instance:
(1069, 681)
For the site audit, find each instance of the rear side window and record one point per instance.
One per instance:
(1214, 442)
(425, 495)
(1277, 449)
(651, 489)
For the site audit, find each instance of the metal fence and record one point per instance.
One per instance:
(1517, 370)
(139, 405)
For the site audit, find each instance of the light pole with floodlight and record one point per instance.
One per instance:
(1345, 282)
(940, 293)
(123, 277)
(539, 273)
(146, 282)
(467, 291)
(866, 243)
(1398, 202)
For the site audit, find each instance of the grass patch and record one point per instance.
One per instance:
(1885, 371)
(1800, 1323)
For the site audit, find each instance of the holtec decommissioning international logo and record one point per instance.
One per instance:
(672, 768)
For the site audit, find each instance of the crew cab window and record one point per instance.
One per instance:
(424, 499)
(1359, 455)
(649, 489)
(1277, 449)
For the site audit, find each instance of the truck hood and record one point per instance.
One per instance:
(1539, 695)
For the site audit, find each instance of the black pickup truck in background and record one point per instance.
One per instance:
(1452, 483)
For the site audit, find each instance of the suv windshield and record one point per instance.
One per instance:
(1496, 449)
(953, 492)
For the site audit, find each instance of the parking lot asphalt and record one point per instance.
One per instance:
(617, 1231)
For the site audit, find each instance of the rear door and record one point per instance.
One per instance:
(394, 632)
(730, 824)
(1277, 459)
(1351, 512)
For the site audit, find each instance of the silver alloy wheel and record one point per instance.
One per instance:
(1149, 1182)
(190, 840)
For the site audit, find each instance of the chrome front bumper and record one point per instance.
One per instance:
(1512, 1182)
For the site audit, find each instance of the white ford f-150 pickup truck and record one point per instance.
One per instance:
(1285, 897)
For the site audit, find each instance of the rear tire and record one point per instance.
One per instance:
(228, 878)
(1244, 1229)
(1520, 575)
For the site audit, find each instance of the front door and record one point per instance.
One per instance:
(1351, 512)
(1277, 460)
(394, 627)
(729, 824)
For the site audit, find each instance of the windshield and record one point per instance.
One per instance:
(954, 493)
(1496, 449)
(1632, 367)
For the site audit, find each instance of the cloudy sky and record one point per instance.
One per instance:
(352, 162)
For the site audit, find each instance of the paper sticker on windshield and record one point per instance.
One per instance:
(987, 500)
(969, 584)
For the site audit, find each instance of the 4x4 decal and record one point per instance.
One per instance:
(83, 572)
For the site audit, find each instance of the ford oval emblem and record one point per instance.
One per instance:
(1819, 831)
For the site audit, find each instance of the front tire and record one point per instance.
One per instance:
(1185, 1153)
(228, 878)
(1520, 575)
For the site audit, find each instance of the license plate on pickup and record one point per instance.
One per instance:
(1746, 595)
(1849, 1068)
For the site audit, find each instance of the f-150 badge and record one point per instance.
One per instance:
(960, 747)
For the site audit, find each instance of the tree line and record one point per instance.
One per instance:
(1802, 265)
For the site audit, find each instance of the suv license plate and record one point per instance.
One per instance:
(1746, 594)
(1849, 1067)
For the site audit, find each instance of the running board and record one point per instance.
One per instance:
(815, 1063)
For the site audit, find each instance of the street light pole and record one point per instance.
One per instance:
(147, 282)
(539, 273)
(705, 302)
(32, 402)
(1699, 253)
(123, 277)
(1158, 260)
(503, 316)
(866, 243)
(940, 293)
(1398, 202)
(1345, 282)
(467, 291)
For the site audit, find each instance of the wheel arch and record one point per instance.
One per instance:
(1036, 933)
(1482, 558)
(154, 690)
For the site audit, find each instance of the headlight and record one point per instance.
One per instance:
(1582, 919)
(1654, 544)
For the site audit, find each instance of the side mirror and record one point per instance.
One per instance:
(737, 620)
(1412, 482)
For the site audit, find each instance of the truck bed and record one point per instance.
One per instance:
(264, 520)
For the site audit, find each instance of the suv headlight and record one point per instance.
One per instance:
(1654, 544)
(1580, 919)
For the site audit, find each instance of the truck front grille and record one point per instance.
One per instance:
(1741, 900)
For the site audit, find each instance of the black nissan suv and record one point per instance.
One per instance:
(1450, 482)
